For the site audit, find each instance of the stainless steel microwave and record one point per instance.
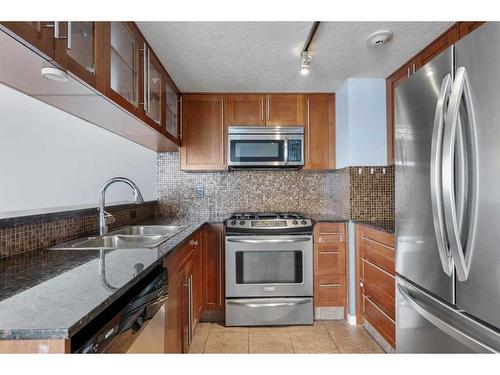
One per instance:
(265, 146)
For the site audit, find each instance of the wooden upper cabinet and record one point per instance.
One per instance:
(203, 138)
(285, 109)
(123, 78)
(320, 132)
(466, 27)
(79, 48)
(245, 110)
(439, 45)
(40, 34)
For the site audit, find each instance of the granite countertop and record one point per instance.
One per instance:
(327, 218)
(383, 225)
(51, 294)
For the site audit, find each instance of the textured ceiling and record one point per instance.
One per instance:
(265, 56)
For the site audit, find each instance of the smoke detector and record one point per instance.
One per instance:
(379, 38)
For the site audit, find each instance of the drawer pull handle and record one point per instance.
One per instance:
(328, 252)
(329, 285)
(193, 242)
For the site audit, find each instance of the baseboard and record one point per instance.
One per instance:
(329, 313)
(351, 319)
(384, 344)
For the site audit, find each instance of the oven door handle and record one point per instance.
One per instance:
(291, 240)
(247, 303)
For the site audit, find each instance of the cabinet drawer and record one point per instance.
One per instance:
(329, 259)
(329, 290)
(380, 321)
(378, 254)
(379, 286)
(329, 232)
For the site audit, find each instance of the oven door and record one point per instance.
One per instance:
(269, 266)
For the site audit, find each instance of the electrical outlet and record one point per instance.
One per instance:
(200, 192)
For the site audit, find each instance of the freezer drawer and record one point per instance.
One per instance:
(426, 325)
(269, 311)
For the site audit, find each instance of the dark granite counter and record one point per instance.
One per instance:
(328, 218)
(383, 225)
(51, 294)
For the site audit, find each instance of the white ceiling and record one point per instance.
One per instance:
(265, 56)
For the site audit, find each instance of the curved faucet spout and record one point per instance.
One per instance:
(103, 228)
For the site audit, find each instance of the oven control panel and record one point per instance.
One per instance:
(269, 223)
(273, 224)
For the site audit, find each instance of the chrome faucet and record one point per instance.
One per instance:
(103, 227)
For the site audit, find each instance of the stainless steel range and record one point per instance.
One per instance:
(269, 269)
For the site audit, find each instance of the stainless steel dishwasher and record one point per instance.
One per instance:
(135, 323)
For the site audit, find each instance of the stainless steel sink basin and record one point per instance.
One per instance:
(148, 230)
(132, 237)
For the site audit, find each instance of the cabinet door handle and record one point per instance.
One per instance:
(268, 108)
(409, 74)
(262, 109)
(145, 79)
(193, 242)
(336, 285)
(56, 29)
(69, 38)
(414, 68)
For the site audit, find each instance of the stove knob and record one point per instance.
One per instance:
(295, 222)
(242, 222)
(233, 222)
(304, 222)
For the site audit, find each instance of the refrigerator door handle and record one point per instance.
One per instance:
(435, 171)
(425, 310)
(461, 254)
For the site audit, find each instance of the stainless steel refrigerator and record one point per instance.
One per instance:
(447, 155)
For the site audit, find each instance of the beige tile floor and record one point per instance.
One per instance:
(332, 336)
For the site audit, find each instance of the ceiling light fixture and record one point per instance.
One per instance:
(306, 63)
(54, 74)
(305, 66)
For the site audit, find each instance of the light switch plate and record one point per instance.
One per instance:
(200, 192)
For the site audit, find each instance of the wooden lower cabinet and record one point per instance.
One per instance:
(213, 273)
(329, 252)
(329, 290)
(376, 282)
(183, 306)
(195, 286)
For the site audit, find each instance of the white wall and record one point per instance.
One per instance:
(361, 123)
(53, 161)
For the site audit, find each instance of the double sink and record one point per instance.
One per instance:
(130, 237)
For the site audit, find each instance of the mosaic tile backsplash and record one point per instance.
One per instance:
(248, 190)
(372, 193)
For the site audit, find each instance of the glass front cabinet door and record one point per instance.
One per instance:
(124, 69)
(76, 47)
(153, 87)
(172, 110)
